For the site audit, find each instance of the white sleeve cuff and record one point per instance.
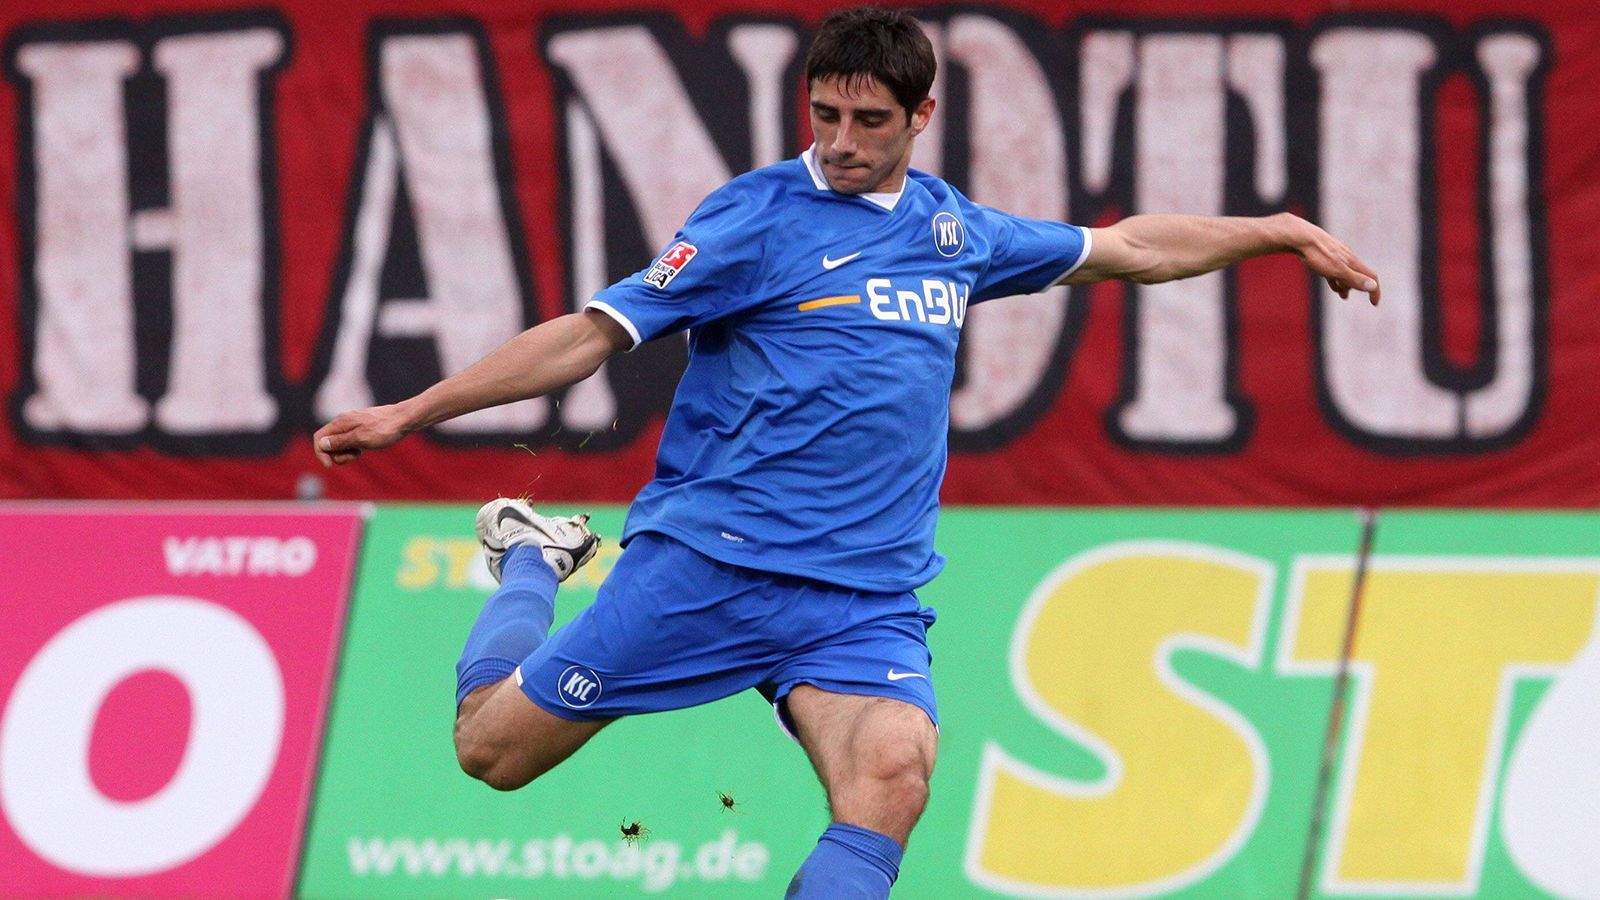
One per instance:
(1088, 242)
(621, 319)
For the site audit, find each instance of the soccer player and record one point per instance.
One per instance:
(791, 516)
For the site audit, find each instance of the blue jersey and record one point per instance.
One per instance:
(808, 435)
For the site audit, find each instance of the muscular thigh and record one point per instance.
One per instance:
(840, 731)
(874, 755)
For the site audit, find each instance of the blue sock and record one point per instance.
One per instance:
(849, 863)
(514, 622)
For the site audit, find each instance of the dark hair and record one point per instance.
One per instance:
(867, 42)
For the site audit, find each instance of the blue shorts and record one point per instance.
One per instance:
(673, 628)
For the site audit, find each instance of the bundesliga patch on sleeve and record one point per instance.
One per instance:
(670, 264)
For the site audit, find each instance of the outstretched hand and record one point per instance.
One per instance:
(1345, 272)
(343, 439)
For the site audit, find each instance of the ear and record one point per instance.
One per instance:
(921, 116)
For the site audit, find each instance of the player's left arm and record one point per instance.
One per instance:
(1150, 249)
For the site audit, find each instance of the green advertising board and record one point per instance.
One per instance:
(1471, 763)
(1133, 703)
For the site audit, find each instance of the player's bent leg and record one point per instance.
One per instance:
(529, 555)
(506, 741)
(873, 755)
(501, 737)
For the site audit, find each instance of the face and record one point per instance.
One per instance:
(863, 135)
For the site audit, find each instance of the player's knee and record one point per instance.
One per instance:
(495, 770)
(502, 777)
(474, 757)
(895, 776)
(489, 763)
(908, 790)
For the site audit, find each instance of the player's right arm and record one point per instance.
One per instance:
(547, 357)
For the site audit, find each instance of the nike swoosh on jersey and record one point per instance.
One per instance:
(896, 676)
(831, 264)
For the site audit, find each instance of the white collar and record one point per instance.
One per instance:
(886, 199)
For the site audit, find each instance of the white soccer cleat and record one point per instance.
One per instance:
(567, 543)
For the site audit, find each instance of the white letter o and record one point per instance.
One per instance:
(236, 692)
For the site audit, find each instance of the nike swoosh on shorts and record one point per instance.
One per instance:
(896, 676)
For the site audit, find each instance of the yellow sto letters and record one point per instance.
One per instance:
(1185, 776)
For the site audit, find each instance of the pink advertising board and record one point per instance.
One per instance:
(165, 674)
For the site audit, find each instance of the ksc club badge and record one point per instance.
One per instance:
(948, 235)
(579, 687)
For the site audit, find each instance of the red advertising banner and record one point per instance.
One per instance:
(165, 676)
(227, 225)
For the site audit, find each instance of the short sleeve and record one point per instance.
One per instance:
(1026, 255)
(710, 270)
